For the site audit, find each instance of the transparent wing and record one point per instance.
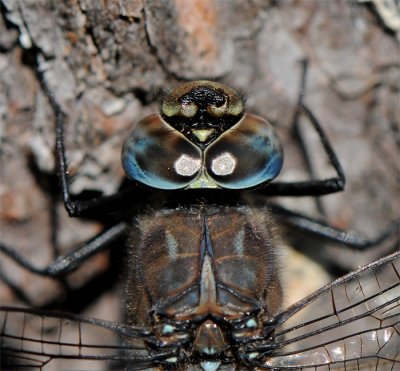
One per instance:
(37, 340)
(350, 324)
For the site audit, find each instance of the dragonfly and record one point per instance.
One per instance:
(203, 284)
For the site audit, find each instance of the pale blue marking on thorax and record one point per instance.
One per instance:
(172, 245)
(238, 243)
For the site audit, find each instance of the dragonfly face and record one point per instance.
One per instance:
(202, 139)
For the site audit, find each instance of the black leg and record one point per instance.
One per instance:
(74, 207)
(311, 187)
(65, 264)
(323, 230)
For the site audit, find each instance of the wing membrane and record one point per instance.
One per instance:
(37, 340)
(350, 324)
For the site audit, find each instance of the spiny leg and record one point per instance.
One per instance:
(65, 264)
(311, 187)
(318, 228)
(322, 230)
(74, 298)
(74, 208)
(96, 209)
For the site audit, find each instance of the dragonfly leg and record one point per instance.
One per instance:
(75, 208)
(65, 264)
(311, 187)
(321, 229)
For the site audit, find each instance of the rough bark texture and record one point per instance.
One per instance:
(106, 62)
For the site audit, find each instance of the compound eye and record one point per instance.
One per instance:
(248, 154)
(217, 111)
(159, 156)
(189, 109)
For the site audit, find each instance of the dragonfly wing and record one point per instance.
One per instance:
(350, 324)
(38, 340)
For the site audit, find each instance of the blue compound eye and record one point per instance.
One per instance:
(159, 156)
(248, 154)
(244, 156)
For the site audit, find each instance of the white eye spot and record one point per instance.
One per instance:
(253, 355)
(171, 359)
(187, 166)
(224, 164)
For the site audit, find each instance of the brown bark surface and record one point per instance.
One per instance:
(106, 62)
